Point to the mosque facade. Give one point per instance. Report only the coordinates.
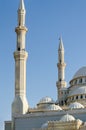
(66, 113)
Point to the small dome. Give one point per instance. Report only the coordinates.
(75, 105)
(67, 117)
(81, 72)
(45, 125)
(54, 107)
(77, 91)
(46, 100)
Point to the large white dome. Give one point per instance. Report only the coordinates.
(77, 91)
(46, 100)
(45, 125)
(67, 117)
(81, 72)
(75, 105)
(54, 107)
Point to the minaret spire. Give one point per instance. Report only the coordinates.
(21, 13)
(61, 51)
(22, 6)
(61, 46)
(20, 104)
(61, 83)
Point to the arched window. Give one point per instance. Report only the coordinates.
(76, 97)
(75, 81)
(61, 92)
(65, 101)
(62, 103)
(80, 80)
(18, 48)
(81, 96)
(60, 80)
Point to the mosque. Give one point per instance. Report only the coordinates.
(67, 113)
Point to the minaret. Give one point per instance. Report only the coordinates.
(20, 104)
(61, 83)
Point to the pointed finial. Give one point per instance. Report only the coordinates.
(61, 46)
(21, 5)
(21, 13)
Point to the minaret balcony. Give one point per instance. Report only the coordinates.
(61, 84)
(60, 65)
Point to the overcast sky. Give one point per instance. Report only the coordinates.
(46, 21)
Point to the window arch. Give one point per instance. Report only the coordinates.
(81, 96)
(75, 81)
(80, 80)
(76, 97)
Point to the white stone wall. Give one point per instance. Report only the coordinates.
(36, 120)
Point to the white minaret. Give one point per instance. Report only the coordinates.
(61, 83)
(20, 104)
